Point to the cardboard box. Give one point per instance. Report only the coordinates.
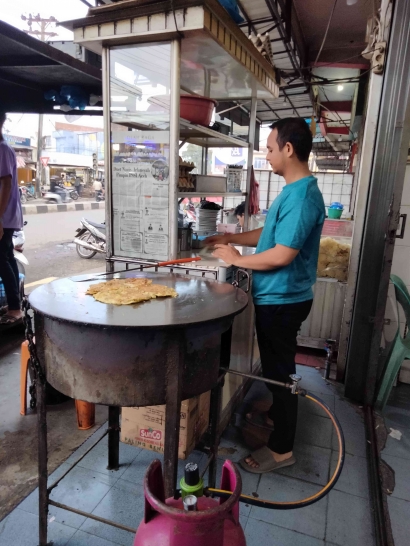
(144, 427)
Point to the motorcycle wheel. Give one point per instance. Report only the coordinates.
(74, 195)
(23, 199)
(84, 252)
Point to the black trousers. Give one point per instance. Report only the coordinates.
(9, 272)
(277, 327)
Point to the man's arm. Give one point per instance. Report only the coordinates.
(249, 238)
(5, 191)
(279, 256)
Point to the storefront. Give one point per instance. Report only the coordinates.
(26, 165)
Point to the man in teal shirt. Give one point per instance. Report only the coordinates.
(284, 271)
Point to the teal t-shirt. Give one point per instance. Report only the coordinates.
(295, 219)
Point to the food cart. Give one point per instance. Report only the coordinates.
(152, 56)
(174, 349)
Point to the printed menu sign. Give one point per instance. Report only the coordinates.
(140, 194)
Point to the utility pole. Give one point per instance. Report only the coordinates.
(42, 34)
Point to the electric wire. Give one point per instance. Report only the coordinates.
(290, 505)
(327, 30)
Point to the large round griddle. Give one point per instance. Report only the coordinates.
(198, 301)
(119, 355)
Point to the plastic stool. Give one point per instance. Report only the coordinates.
(85, 410)
(25, 358)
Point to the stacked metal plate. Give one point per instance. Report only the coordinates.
(206, 219)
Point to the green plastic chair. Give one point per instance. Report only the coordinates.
(400, 347)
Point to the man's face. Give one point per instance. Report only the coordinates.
(241, 219)
(275, 156)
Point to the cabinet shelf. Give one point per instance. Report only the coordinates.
(210, 194)
(206, 137)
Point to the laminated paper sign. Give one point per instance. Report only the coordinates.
(140, 194)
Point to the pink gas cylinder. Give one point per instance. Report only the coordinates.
(167, 523)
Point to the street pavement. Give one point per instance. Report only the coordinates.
(49, 247)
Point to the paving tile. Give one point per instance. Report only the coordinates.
(21, 529)
(30, 503)
(84, 539)
(349, 520)
(397, 448)
(259, 533)
(312, 464)
(315, 383)
(348, 412)
(124, 504)
(314, 430)
(354, 476)
(401, 469)
(97, 459)
(88, 443)
(355, 437)
(399, 511)
(304, 369)
(83, 489)
(234, 450)
(309, 521)
(107, 532)
(308, 406)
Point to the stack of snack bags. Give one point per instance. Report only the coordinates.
(333, 259)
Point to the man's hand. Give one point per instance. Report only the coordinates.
(1, 230)
(227, 253)
(218, 240)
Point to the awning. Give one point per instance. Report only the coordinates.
(29, 67)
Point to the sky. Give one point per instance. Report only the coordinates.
(63, 10)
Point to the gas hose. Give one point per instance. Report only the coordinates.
(263, 503)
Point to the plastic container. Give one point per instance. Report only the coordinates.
(334, 214)
(85, 414)
(197, 110)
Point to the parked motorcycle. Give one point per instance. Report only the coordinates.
(99, 196)
(18, 243)
(90, 239)
(23, 194)
(73, 194)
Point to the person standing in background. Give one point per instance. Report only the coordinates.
(11, 219)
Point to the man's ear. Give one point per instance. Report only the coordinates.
(289, 149)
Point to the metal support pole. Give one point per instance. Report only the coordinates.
(113, 438)
(214, 417)
(42, 460)
(39, 167)
(174, 374)
(252, 133)
(107, 150)
(174, 147)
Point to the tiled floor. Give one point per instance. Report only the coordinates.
(342, 517)
(397, 455)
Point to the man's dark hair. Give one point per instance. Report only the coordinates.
(240, 209)
(3, 116)
(297, 132)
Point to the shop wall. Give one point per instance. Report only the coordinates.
(401, 268)
(334, 186)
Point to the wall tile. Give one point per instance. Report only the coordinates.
(405, 199)
(401, 263)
